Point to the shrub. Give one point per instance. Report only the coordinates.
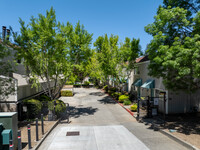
(86, 83)
(69, 83)
(66, 93)
(113, 89)
(134, 107)
(110, 92)
(122, 98)
(106, 88)
(33, 107)
(127, 102)
(116, 95)
(44, 98)
(60, 107)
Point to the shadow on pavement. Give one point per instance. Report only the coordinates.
(97, 93)
(77, 112)
(107, 100)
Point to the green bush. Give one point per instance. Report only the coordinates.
(122, 98)
(66, 93)
(86, 83)
(127, 102)
(44, 98)
(33, 107)
(106, 88)
(69, 83)
(110, 92)
(134, 107)
(60, 107)
(113, 89)
(116, 95)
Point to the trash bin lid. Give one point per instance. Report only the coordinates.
(7, 114)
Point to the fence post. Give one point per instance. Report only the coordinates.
(10, 145)
(29, 136)
(164, 107)
(19, 140)
(36, 129)
(138, 108)
(42, 123)
(68, 112)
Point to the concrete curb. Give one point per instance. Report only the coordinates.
(45, 135)
(130, 112)
(180, 141)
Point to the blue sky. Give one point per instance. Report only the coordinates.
(125, 18)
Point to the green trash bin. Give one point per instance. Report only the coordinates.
(9, 122)
(6, 136)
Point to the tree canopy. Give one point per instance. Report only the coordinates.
(43, 46)
(174, 50)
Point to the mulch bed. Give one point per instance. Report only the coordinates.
(186, 127)
(24, 135)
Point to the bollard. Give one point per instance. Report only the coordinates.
(10, 145)
(19, 140)
(42, 122)
(29, 136)
(36, 129)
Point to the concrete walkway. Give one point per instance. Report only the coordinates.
(103, 125)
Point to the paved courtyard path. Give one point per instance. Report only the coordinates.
(102, 124)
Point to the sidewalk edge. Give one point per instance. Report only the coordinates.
(45, 136)
(180, 141)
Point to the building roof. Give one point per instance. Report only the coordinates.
(142, 59)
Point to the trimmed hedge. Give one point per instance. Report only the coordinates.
(66, 93)
(127, 102)
(134, 107)
(122, 98)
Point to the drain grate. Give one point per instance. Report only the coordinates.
(73, 133)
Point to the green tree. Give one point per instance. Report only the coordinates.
(43, 45)
(94, 70)
(174, 51)
(79, 41)
(128, 52)
(107, 49)
(192, 6)
(7, 83)
(116, 62)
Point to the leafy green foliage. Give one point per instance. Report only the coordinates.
(78, 40)
(122, 98)
(43, 45)
(66, 93)
(86, 83)
(116, 62)
(134, 107)
(105, 88)
(116, 95)
(33, 107)
(7, 84)
(127, 102)
(174, 50)
(59, 108)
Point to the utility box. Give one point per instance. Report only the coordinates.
(1, 129)
(9, 121)
(6, 136)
